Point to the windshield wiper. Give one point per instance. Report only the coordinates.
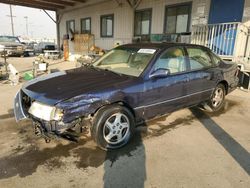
(120, 74)
(90, 65)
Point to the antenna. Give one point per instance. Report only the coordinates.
(27, 29)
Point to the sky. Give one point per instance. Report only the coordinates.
(39, 24)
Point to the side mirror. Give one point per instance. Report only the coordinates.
(160, 73)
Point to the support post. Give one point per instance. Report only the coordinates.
(57, 22)
(58, 32)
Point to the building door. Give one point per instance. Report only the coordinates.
(223, 15)
(224, 11)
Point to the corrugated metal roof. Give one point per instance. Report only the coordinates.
(44, 4)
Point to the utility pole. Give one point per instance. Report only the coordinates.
(27, 29)
(11, 21)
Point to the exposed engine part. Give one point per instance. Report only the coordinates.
(39, 131)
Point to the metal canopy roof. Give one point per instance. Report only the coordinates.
(44, 4)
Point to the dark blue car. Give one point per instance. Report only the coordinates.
(129, 85)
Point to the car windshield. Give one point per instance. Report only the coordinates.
(9, 39)
(129, 61)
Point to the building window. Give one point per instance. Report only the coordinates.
(142, 22)
(107, 25)
(86, 26)
(177, 18)
(70, 26)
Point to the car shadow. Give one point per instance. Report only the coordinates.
(30, 154)
(238, 152)
(126, 166)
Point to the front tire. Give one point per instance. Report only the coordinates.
(113, 127)
(217, 100)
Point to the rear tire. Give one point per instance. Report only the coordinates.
(217, 100)
(113, 126)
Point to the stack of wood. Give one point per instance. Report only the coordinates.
(83, 43)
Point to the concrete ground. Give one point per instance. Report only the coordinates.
(189, 148)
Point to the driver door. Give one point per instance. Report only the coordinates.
(166, 94)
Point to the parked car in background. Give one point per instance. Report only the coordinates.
(29, 48)
(129, 85)
(42, 46)
(11, 46)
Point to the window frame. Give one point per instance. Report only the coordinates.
(185, 58)
(84, 19)
(68, 24)
(104, 16)
(150, 21)
(190, 4)
(204, 50)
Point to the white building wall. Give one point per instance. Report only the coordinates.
(124, 18)
(123, 29)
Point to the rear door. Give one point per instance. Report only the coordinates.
(201, 77)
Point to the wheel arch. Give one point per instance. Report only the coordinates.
(225, 83)
(121, 103)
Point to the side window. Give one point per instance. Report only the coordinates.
(173, 59)
(198, 58)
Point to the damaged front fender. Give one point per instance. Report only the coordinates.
(85, 105)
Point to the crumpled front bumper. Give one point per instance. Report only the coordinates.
(19, 111)
(45, 127)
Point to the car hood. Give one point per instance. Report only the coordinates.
(60, 86)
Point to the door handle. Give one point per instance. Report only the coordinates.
(187, 79)
(209, 76)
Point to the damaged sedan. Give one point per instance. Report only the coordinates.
(129, 85)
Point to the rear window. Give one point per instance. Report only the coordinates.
(49, 47)
(9, 39)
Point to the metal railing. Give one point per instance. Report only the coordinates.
(229, 40)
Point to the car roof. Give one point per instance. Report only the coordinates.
(162, 45)
(50, 43)
(9, 36)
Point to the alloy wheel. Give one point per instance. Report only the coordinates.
(218, 97)
(116, 128)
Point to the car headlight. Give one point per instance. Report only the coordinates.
(20, 48)
(58, 114)
(45, 112)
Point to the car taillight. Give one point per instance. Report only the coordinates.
(237, 72)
